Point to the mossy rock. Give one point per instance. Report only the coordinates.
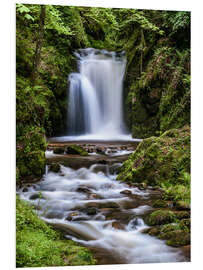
(162, 161)
(59, 150)
(185, 223)
(76, 150)
(160, 217)
(182, 205)
(178, 238)
(160, 204)
(182, 214)
(154, 231)
(55, 167)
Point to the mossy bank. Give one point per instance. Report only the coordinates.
(38, 245)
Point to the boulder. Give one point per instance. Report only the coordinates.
(126, 192)
(58, 150)
(55, 167)
(160, 217)
(109, 205)
(160, 204)
(118, 226)
(76, 150)
(72, 215)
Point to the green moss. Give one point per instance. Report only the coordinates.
(178, 238)
(76, 150)
(162, 161)
(161, 217)
(38, 245)
(160, 204)
(30, 157)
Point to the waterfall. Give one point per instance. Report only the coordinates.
(95, 94)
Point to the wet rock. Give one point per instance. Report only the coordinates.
(54, 214)
(25, 189)
(93, 204)
(109, 205)
(58, 150)
(72, 215)
(94, 196)
(122, 217)
(160, 204)
(82, 218)
(76, 150)
(83, 189)
(160, 217)
(102, 161)
(114, 168)
(126, 192)
(36, 196)
(100, 168)
(91, 211)
(152, 231)
(118, 226)
(55, 167)
(142, 185)
(129, 204)
(100, 150)
(134, 196)
(106, 210)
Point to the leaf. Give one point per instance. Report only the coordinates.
(22, 8)
(29, 17)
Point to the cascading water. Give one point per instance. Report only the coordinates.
(95, 96)
(92, 208)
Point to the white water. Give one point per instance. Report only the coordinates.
(95, 109)
(61, 198)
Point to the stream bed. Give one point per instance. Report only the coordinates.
(94, 209)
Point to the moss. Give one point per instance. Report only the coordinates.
(160, 204)
(185, 224)
(55, 167)
(76, 150)
(160, 217)
(178, 238)
(38, 245)
(59, 150)
(30, 155)
(182, 214)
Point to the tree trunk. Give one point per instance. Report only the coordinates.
(38, 44)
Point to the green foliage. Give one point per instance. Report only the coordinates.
(54, 21)
(30, 147)
(38, 245)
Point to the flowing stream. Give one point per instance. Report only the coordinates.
(106, 215)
